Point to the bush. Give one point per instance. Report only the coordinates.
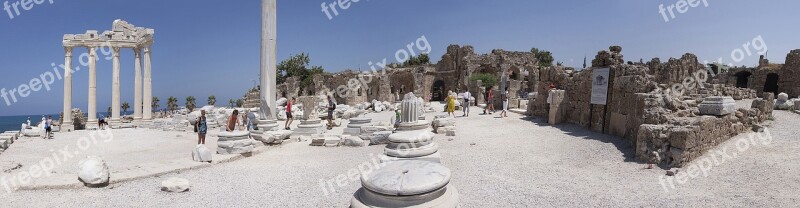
(487, 79)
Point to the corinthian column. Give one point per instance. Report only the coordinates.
(137, 100)
(148, 87)
(66, 124)
(92, 87)
(115, 88)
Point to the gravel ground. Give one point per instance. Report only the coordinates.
(496, 162)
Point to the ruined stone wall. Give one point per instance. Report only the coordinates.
(790, 74)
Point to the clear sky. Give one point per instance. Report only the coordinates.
(205, 47)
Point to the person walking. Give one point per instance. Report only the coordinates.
(489, 101)
(466, 97)
(504, 97)
(201, 127)
(48, 127)
(289, 116)
(232, 121)
(451, 105)
(331, 108)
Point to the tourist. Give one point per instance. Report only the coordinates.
(48, 127)
(396, 118)
(331, 108)
(245, 123)
(232, 121)
(201, 127)
(451, 105)
(489, 101)
(101, 122)
(28, 126)
(466, 97)
(504, 97)
(289, 116)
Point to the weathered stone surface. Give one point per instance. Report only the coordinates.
(93, 171)
(451, 132)
(410, 150)
(353, 141)
(411, 137)
(407, 178)
(175, 185)
(440, 122)
(201, 153)
(235, 147)
(717, 106)
(435, 157)
(381, 137)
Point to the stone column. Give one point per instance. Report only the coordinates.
(137, 101)
(268, 68)
(92, 120)
(148, 87)
(66, 124)
(115, 88)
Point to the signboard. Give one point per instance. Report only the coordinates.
(600, 86)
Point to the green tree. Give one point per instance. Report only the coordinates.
(232, 103)
(190, 103)
(212, 100)
(240, 103)
(297, 66)
(421, 59)
(487, 79)
(125, 107)
(545, 58)
(155, 105)
(172, 103)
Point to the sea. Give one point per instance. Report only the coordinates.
(14, 123)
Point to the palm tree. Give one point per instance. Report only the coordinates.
(155, 104)
(232, 102)
(125, 107)
(212, 100)
(172, 103)
(190, 103)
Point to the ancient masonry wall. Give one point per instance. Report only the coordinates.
(659, 126)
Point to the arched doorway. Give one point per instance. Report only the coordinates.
(771, 85)
(742, 79)
(438, 91)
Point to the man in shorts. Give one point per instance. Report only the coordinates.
(289, 116)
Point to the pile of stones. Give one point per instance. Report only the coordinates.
(783, 102)
(7, 138)
(236, 142)
(442, 124)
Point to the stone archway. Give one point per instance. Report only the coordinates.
(771, 84)
(437, 91)
(742, 79)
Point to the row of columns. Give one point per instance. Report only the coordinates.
(142, 105)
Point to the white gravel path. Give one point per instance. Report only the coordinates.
(514, 162)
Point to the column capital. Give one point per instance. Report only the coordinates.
(116, 51)
(137, 51)
(146, 48)
(92, 50)
(67, 51)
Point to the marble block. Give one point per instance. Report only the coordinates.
(413, 126)
(411, 136)
(410, 150)
(407, 178)
(354, 141)
(175, 185)
(440, 122)
(381, 137)
(201, 153)
(717, 105)
(310, 127)
(435, 157)
(235, 147)
(93, 171)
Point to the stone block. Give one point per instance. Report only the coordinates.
(93, 171)
(381, 137)
(175, 185)
(354, 141)
(717, 106)
(235, 147)
(201, 153)
(451, 132)
(440, 122)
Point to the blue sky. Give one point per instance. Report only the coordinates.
(211, 47)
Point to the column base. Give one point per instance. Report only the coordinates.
(67, 127)
(114, 123)
(92, 125)
(267, 125)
